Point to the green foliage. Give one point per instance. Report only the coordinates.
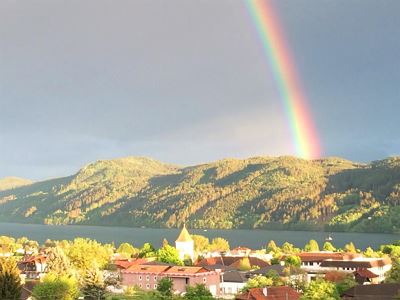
(57, 262)
(219, 244)
(164, 287)
(345, 284)
(311, 246)
(56, 288)
(320, 289)
(393, 276)
(169, 254)
(258, 281)
(272, 247)
(147, 251)
(329, 247)
(293, 260)
(10, 283)
(274, 193)
(127, 250)
(84, 254)
(93, 287)
(350, 248)
(198, 292)
(201, 243)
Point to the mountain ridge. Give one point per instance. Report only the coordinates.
(258, 192)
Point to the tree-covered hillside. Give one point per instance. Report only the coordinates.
(260, 192)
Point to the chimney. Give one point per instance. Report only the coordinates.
(265, 291)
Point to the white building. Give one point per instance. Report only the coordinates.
(185, 245)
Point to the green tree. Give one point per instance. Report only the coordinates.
(350, 248)
(169, 254)
(147, 251)
(311, 246)
(85, 253)
(320, 289)
(198, 292)
(93, 287)
(10, 283)
(58, 263)
(288, 248)
(329, 247)
(219, 244)
(56, 288)
(345, 284)
(164, 287)
(258, 281)
(293, 260)
(201, 243)
(393, 275)
(127, 250)
(272, 247)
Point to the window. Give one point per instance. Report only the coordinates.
(147, 286)
(155, 278)
(204, 280)
(155, 286)
(140, 285)
(147, 278)
(140, 277)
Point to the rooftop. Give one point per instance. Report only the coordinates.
(184, 236)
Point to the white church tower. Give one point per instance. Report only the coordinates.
(185, 244)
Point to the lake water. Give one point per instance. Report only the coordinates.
(255, 239)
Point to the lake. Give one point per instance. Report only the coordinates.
(255, 239)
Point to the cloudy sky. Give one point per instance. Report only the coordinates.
(188, 81)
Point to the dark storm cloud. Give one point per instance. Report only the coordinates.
(187, 81)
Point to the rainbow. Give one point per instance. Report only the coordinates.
(304, 134)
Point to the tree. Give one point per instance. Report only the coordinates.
(393, 275)
(244, 264)
(93, 287)
(201, 243)
(219, 244)
(350, 248)
(329, 247)
(10, 283)
(57, 262)
(320, 289)
(164, 287)
(56, 288)
(258, 281)
(127, 250)
(85, 253)
(272, 247)
(169, 254)
(198, 292)
(345, 284)
(311, 246)
(288, 248)
(293, 260)
(147, 251)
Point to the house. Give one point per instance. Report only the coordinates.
(185, 245)
(33, 267)
(270, 293)
(147, 276)
(385, 291)
(317, 264)
(368, 269)
(232, 282)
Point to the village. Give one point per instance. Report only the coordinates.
(240, 273)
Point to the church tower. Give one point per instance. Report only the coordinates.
(185, 244)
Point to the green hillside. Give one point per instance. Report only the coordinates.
(260, 192)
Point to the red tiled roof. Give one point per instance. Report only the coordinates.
(232, 261)
(335, 276)
(365, 273)
(125, 264)
(378, 262)
(180, 270)
(151, 269)
(272, 293)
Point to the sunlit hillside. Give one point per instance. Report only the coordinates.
(260, 192)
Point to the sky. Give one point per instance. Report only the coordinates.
(187, 81)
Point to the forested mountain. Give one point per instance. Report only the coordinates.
(260, 192)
